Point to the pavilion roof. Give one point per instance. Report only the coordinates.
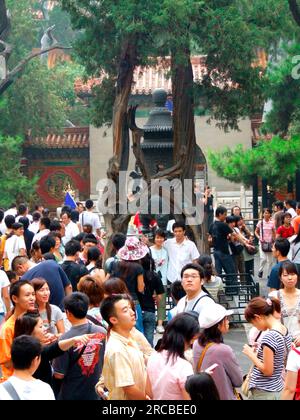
(72, 137)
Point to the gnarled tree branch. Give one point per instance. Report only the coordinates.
(295, 10)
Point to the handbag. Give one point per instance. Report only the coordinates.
(265, 246)
(245, 385)
(251, 250)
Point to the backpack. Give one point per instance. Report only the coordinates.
(297, 393)
(195, 313)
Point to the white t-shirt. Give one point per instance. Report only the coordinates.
(71, 231)
(12, 248)
(179, 256)
(196, 304)
(292, 212)
(293, 361)
(4, 282)
(28, 390)
(89, 218)
(38, 236)
(34, 227)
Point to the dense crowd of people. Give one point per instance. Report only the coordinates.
(79, 324)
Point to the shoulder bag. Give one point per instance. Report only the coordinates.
(265, 246)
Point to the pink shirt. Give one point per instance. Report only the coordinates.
(167, 378)
(268, 228)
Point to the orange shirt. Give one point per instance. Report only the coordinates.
(6, 339)
(296, 224)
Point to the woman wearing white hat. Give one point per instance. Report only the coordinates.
(209, 349)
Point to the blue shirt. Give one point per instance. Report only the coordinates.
(55, 277)
(274, 280)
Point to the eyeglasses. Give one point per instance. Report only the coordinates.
(191, 276)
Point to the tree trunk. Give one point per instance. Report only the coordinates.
(184, 130)
(119, 222)
(295, 10)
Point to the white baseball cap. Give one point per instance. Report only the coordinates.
(212, 315)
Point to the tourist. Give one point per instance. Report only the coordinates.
(213, 284)
(35, 253)
(236, 211)
(23, 211)
(4, 295)
(177, 293)
(153, 287)
(47, 245)
(296, 220)
(202, 387)
(181, 251)
(88, 217)
(286, 229)
(43, 229)
(28, 235)
(265, 233)
(94, 263)
(22, 297)
(80, 371)
(117, 241)
(15, 244)
(278, 213)
(294, 253)
(210, 349)
(26, 358)
(71, 229)
(289, 298)
(290, 206)
(124, 367)
(88, 241)
(280, 251)
(291, 389)
(220, 235)
(9, 221)
(52, 316)
(168, 369)
(161, 259)
(56, 278)
(72, 269)
(34, 227)
(196, 298)
(59, 249)
(266, 381)
(93, 288)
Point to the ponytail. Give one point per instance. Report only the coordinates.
(261, 306)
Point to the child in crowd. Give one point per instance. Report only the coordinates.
(201, 387)
(213, 284)
(286, 229)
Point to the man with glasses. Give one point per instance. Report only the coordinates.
(192, 282)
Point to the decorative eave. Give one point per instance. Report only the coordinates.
(72, 138)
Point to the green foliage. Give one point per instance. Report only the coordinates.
(33, 103)
(275, 160)
(15, 186)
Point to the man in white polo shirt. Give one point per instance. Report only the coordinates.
(181, 251)
(89, 218)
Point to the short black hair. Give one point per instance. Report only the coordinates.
(230, 219)
(25, 222)
(17, 225)
(75, 216)
(1, 215)
(9, 221)
(49, 256)
(90, 239)
(282, 245)
(72, 247)
(77, 304)
(194, 266)
(201, 387)
(107, 308)
(45, 221)
(161, 233)
(66, 209)
(220, 210)
(80, 236)
(93, 253)
(177, 225)
(15, 288)
(89, 204)
(22, 209)
(24, 350)
(118, 240)
(279, 204)
(46, 243)
(177, 291)
(55, 226)
(291, 203)
(36, 216)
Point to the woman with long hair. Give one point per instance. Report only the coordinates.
(266, 381)
(210, 349)
(213, 284)
(94, 263)
(289, 298)
(167, 369)
(265, 233)
(201, 387)
(51, 315)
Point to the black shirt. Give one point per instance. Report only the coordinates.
(74, 272)
(44, 371)
(219, 232)
(129, 275)
(153, 284)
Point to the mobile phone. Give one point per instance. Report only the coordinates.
(211, 368)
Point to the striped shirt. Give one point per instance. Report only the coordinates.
(280, 345)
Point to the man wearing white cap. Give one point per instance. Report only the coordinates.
(210, 350)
